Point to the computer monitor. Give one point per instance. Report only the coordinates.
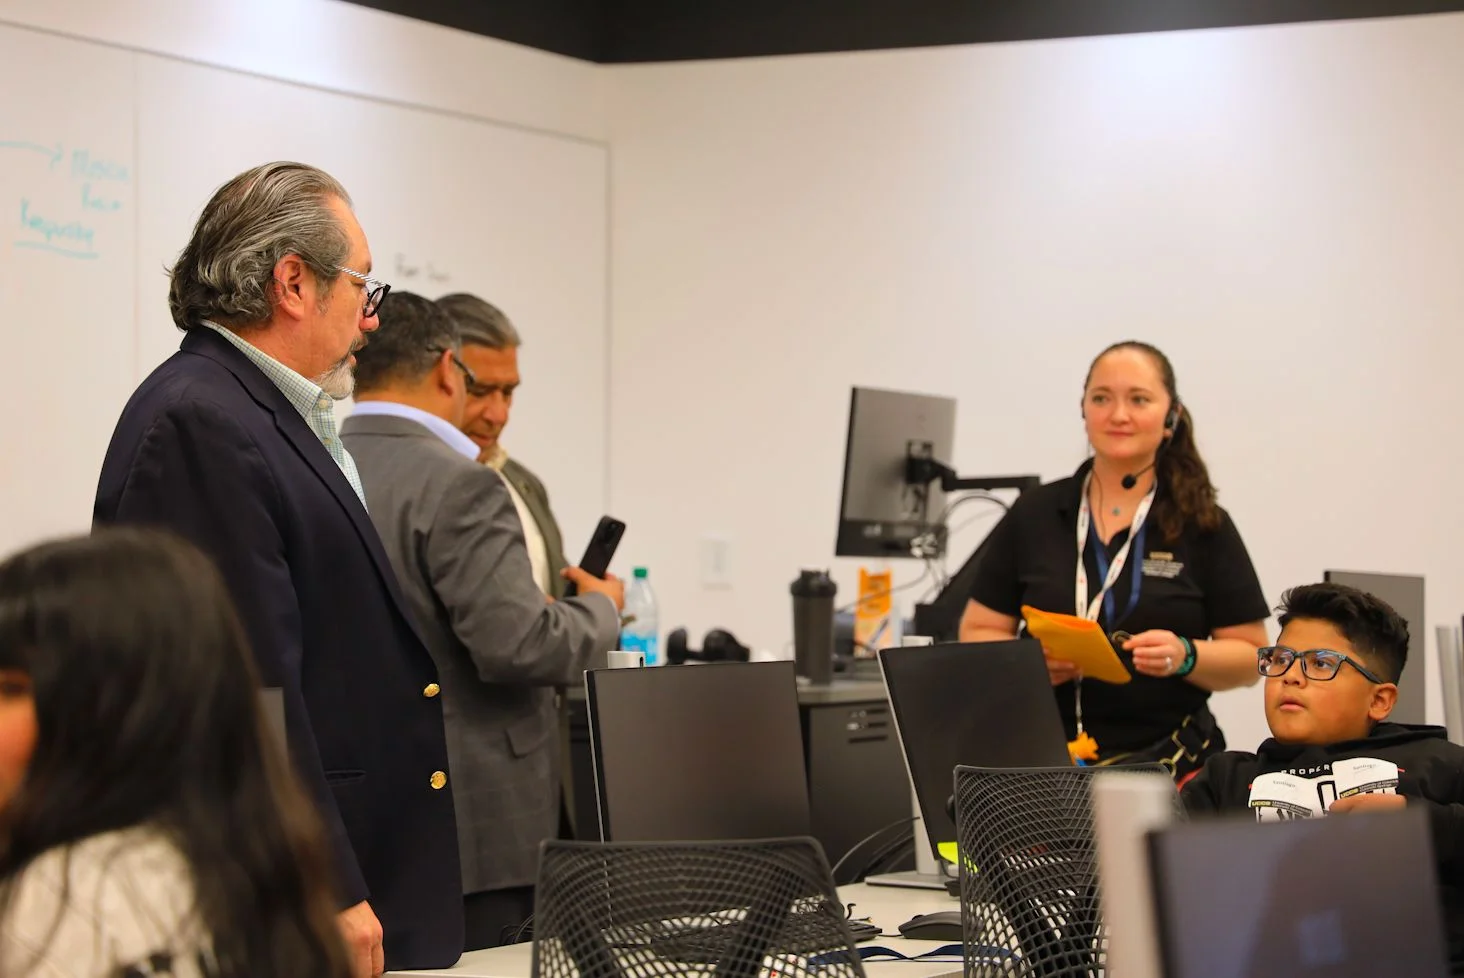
(884, 507)
(1350, 896)
(698, 752)
(985, 704)
(1451, 678)
(1405, 593)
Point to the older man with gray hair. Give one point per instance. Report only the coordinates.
(490, 349)
(232, 444)
(457, 543)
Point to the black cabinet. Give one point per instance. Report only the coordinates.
(857, 783)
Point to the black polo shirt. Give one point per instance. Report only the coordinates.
(1190, 586)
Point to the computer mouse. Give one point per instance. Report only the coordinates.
(943, 925)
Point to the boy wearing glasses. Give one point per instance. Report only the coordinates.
(1331, 681)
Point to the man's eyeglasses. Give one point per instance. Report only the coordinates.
(376, 291)
(1319, 665)
(468, 375)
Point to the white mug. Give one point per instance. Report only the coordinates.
(625, 660)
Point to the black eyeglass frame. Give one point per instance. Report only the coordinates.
(376, 291)
(1311, 658)
(474, 385)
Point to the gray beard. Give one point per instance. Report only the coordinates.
(339, 382)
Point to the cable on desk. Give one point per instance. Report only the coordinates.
(897, 849)
(866, 840)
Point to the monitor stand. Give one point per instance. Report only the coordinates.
(914, 879)
(931, 872)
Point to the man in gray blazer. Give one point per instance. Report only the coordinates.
(456, 542)
(490, 350)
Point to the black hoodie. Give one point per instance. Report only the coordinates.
(1430, 772)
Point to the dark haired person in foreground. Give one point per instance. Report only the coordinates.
(149, 824)
(1331, 681)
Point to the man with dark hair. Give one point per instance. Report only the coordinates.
(1331, 681)
(232, 444)
(455, 538)
(490, 349)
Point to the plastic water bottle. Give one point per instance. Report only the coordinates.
(640, 634)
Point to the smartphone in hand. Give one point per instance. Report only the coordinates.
(601, 549)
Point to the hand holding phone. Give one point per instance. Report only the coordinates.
(600, 551)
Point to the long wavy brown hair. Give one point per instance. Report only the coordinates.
(1187, 497)
(148, 714)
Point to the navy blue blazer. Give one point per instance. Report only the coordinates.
(209, 447)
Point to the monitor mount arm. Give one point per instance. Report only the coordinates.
(921, 469)
(940, 619)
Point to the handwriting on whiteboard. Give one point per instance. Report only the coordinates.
(406, 269)
(68, 196)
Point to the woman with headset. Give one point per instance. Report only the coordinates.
(1135, 541)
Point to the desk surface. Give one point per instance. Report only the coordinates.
(887, 906)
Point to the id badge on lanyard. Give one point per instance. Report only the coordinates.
(1086, 607)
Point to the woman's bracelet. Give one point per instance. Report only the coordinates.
(1188, 665)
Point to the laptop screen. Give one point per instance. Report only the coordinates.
(1346, 896)
(698, 752)
(983, 704)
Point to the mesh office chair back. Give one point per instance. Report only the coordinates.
(735, 909)
(1029, 871)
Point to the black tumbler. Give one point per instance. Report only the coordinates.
(813, 626)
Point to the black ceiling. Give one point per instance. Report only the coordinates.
(613, 31)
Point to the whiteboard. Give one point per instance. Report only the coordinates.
(67, 345)
(448, 203)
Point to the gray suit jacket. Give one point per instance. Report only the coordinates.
(536, 498)
(454, 538)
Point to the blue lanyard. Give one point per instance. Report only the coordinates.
(1100, 554)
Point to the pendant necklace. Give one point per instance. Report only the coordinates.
(1116, 510)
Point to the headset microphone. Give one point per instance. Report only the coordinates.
(1132, 479)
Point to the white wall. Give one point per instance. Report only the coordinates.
(1280, 209)
(475, 165)
(343, 47)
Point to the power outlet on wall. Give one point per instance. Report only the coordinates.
(716, 562)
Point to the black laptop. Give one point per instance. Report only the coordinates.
(984, 704)
(711, 751)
